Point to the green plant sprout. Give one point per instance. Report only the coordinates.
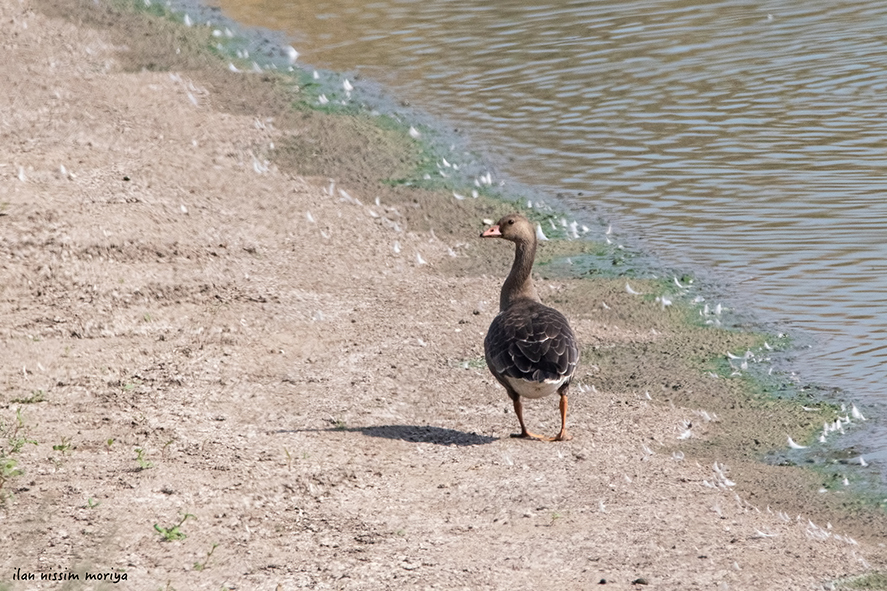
(202, 565)
(144, 464)
(173, 533)
(12, 440)
(64, 446)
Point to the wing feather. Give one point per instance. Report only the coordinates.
(532, 342)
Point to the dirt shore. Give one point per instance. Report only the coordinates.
(215, 315)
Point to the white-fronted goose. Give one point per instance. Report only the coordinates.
(530, 347)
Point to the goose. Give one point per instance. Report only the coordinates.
(530, 348)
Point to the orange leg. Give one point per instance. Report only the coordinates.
(563, 435)
(519, 411)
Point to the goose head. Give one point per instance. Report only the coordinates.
(513, 227)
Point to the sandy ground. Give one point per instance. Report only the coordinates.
(194, 327)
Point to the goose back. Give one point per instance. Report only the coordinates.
(531, 349)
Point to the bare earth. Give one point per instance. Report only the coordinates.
(193, 326)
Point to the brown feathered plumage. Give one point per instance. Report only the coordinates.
(529, 348)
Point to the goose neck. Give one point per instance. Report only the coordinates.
(519, 284)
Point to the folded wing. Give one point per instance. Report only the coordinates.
(532, 342)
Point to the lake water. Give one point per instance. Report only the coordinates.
(744, 138)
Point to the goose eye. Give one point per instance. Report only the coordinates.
(510, 222)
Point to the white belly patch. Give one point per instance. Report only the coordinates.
(530, 389)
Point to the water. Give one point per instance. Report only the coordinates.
(749, 138)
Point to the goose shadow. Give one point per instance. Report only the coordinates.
(425, 434)
(411, 433)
